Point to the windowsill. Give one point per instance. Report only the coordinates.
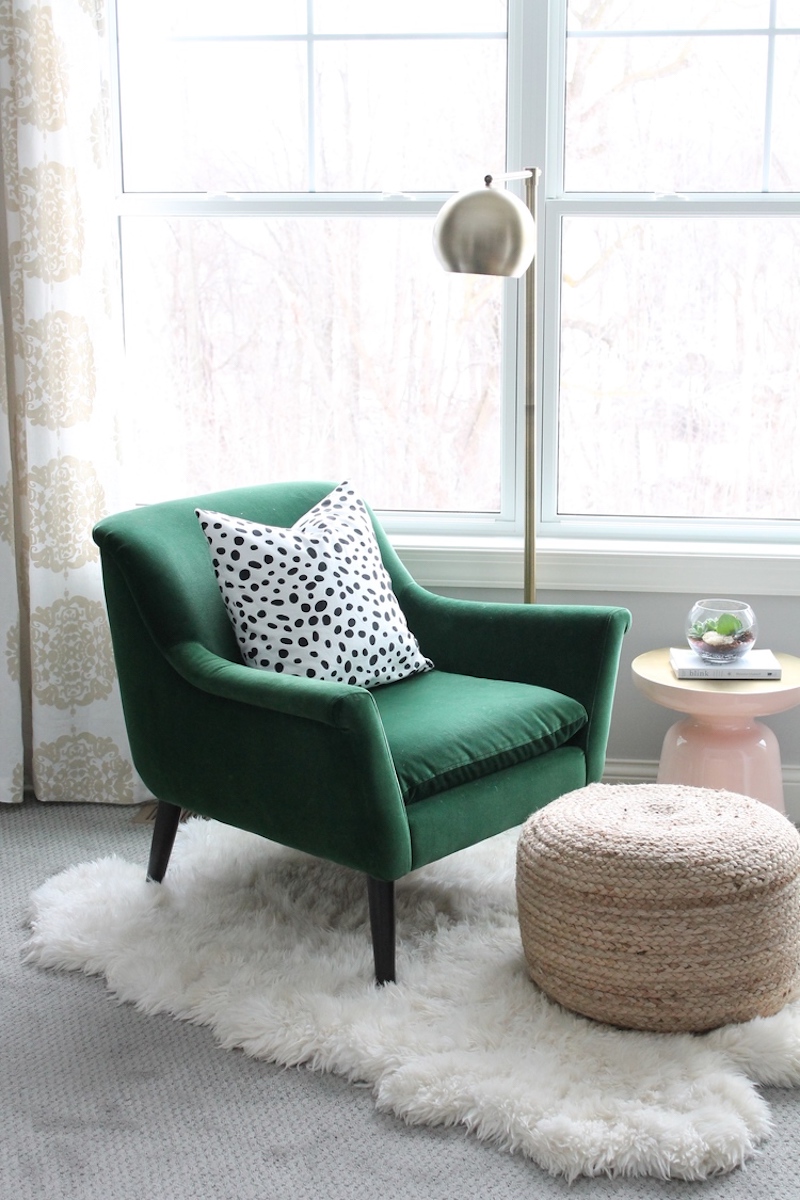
(603, 566)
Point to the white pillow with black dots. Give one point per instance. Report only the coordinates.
(314, 600)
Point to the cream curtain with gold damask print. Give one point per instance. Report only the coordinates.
(59, 465)
(11, 751)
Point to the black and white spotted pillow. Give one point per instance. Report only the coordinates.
(316, 599)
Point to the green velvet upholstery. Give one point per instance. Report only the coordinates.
(516, 712)
(445, 729)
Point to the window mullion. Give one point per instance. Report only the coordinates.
(766, 164)
(689, 204)
(551, 283)
(311, 101)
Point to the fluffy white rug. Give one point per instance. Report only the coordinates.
(271, 950)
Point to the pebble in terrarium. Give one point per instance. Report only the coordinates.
(721, 631)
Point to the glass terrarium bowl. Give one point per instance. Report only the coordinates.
(721, 631)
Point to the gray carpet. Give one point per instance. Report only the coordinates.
(99, 1101)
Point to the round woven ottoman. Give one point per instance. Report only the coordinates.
(661, 907)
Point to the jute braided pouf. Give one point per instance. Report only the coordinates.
(661, 907)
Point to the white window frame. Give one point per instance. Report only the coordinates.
(557, 204)
(454, 551)
(507, 521)
(693, 557)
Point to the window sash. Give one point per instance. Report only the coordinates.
(556, 204)
(405, 205)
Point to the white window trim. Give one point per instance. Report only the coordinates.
(569, 564)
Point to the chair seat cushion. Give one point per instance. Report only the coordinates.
(444, 730)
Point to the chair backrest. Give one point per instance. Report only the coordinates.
(161, 553)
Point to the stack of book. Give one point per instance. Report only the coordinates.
(756, 664)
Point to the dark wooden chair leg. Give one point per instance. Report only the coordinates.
(382, 924)
(166, 826)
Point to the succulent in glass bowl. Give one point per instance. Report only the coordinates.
(721, 631)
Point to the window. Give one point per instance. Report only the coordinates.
(281, 166)
(675, 352)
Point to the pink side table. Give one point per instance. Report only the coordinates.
(719, 744)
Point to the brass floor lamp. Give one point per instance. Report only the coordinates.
(491, 232)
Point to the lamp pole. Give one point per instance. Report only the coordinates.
(531, 394)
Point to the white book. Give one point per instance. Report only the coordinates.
(755, 664)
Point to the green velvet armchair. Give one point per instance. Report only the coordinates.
(515, 713)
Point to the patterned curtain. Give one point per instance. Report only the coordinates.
(59, 458)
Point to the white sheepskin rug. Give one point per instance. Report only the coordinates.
(271, 950)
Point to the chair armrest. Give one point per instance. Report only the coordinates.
(573, 649)
(316, 700)
(300, 761)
